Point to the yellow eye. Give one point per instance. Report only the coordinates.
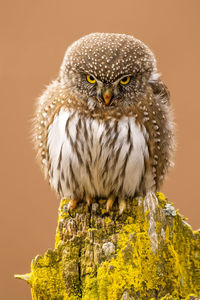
(125, 80)
(91, 79)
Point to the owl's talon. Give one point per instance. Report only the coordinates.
(69, 212)
(89, 200)
(113, 140)
(71, 206)
(122, 205)
(109, 203)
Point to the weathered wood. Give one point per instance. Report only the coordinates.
(149, 252)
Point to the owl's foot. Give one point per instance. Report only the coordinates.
(89, 200)
(121, 202)
(71, 206)
(122, 205)
(109, 203)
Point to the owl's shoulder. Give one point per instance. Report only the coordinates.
(54, 97)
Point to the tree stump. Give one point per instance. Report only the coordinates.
(149, 252)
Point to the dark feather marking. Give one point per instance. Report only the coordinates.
(99, 155)
(90, 177)
(88, 171)
(116, 180)
(59, 188)
(62, 175)
(109, 129)
(109, 140)
(104, 183)
(125, 161)
(91, 132)
(129, 134)
(79, 157)
(105, 168)
(71, 142)
(142, 190)
(85, 131)
(82, 145)
(77, 131)
(60, 158)
(67, 124)
(67, 183)
(100, 139)
(49, 165)
(116, 126)
(75, 149)
(107, 124)
(79, 123)
(89, 153)
(112, 144)
(73, 178)
(117, 156)
(123, 168)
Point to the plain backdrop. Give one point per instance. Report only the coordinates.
(34, 36)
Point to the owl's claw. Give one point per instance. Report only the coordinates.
(122, 205)
(109, 203)
(89, 200)
(71, 206)
(121, 202)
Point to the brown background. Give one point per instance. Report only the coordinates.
(34, 36)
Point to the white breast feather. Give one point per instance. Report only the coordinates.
(57, 139)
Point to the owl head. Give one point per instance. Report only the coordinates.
(108, 68)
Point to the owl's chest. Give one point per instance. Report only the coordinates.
(95, 153)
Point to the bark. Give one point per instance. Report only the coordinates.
(149, 252)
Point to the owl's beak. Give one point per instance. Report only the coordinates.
(107, 94)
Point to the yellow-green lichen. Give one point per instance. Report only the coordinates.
(157, 256)
(133, 266)
(174, 267)
(107, 220)
(90, 288)
(161, 197)
(63, 213)
(47, 277)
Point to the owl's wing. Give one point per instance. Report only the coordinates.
(163, 132)
(160, 128)
(160, 91)
(48, 105)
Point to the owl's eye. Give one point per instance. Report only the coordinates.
(91, 79)
(125, 80)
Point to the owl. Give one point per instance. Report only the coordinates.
(104, 128)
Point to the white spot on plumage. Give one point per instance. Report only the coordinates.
(98, 44)
(106, 57)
